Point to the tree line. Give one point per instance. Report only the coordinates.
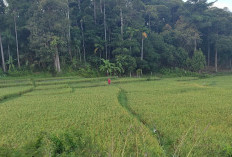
(117, 36)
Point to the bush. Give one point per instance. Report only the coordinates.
(19, 72)
(197, 62)
(227, 151)
(2, 74)
(71, 143)
(94, 61)
(181, 57)
(177, 72)
(128, 63)
(88, 72)
(143, 64)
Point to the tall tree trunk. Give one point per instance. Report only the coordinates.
(16, 39)
(101, 6)
(216, 53)
(83, 40)
(8, 51)
(95, 12)
(209, 49)
(79, 5)
(216, 60)
(57, 61)
(230, 64)
(208, 54)
(80, 55)
(2, 54)
(69, 33)
(105, 28)
(142, 49)
(195, 43)
(121, 16)
(109, 41)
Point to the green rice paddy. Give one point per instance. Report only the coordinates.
(131, 117)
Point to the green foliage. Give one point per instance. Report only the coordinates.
(94, 61)
(177, 72)
(181, 57)
(10, 64)
(2, 7)
(72, 143)
(72, 34)
(107, 67)
(197, 62)
(139, 72)
(111, 68)
(143, 65)
(2, 74)
(88, 72)
(227, 151)
(127, 62)
(119, 51)
(19, 72)
(186, 34)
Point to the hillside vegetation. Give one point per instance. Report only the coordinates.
(95, 37)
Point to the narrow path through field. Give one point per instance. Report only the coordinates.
(122, 99)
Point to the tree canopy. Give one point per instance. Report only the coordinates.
(55, 35)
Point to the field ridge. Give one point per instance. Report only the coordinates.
(11, 96)
(123, 101)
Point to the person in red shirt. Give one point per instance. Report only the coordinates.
(109, 81)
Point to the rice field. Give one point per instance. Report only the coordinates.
(131, 117)
(13, 91)
(61, 120)
(191, 117)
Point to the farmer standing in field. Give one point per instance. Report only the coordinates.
(109, 81)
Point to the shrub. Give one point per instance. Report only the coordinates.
(71, 143)
(88, 72)
(197, 62)
(227, 151)
(128, 63)
(2, 73)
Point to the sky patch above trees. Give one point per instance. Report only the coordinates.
(221, 4)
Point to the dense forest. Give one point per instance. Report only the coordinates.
(117, 36)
